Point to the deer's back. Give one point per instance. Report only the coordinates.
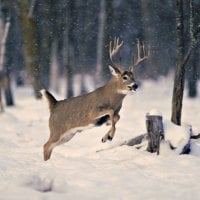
(75, 112)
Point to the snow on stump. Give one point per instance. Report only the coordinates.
(176, 137)
(155, 131)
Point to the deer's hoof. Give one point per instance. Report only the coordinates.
(110, 138)
(103, 140)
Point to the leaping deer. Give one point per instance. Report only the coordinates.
(69, 116)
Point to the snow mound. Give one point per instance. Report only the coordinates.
(177, 136)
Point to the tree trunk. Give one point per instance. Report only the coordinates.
(180, 68)
(192, 75)
(70, 44)
(31, 47)
(192, 72)
(155, 132)
(3, 40)
(151, 35)
(54, 69)
(44, 35)
(101, 25)
(5, 76)
(8, 91)
(69, 84)
(108, 36)
(182, 59)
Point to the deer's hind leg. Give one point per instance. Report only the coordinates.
(55, 140)
(50, 144)
(47, 149)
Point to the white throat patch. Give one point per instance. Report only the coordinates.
(122, 92)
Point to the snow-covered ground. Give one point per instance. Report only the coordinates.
(85, 168)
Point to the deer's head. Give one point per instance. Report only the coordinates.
(125, 78)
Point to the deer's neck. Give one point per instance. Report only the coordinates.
(113, 89)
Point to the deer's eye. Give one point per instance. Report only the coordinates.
(125, 78)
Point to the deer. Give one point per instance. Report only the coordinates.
(75, 114)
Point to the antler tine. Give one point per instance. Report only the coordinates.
(141, 55)
(115, 49)
(144, 51)
(115, 42)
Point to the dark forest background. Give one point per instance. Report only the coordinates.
(54, 39)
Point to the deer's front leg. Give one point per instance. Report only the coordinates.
(116, 119)
(110, 134)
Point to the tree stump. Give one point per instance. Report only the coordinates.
(155, 132)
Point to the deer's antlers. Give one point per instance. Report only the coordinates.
(142, 55)
(113, 51)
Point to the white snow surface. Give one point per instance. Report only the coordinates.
(85, 168)
(155, 112)
(177, 136)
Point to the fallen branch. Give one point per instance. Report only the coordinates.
(195, 136)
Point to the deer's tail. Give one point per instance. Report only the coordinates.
(50, 99)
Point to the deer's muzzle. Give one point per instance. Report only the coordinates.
(134, 87)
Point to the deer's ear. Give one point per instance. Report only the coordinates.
(114, 71)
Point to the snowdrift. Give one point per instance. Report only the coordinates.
(85, 168)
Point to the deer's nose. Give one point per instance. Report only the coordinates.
(135, 86)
